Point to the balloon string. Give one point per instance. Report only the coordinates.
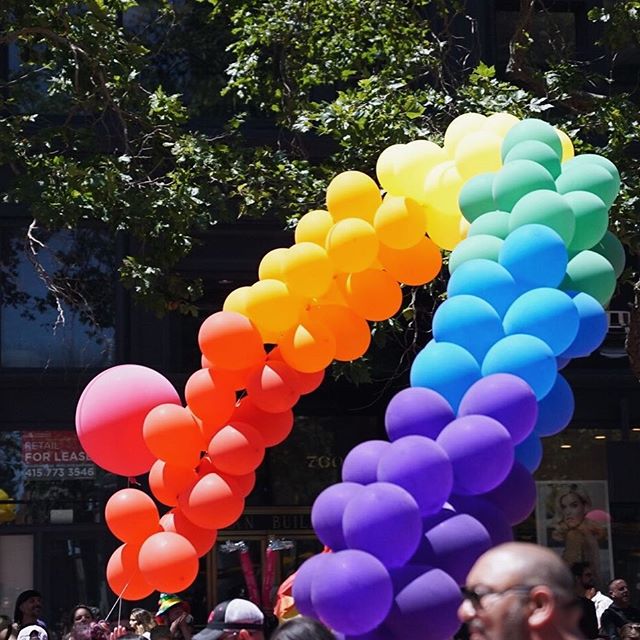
(118, 601)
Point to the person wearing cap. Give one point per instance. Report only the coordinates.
(237, 618)
(176, 614)
(28, 609)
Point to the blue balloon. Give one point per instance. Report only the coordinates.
(487, 280)
(535, 255)
(470, 322)
(555, 409)
(446, 368)
(548, 314)
(592, 329)
(529, 452)
(524, 356)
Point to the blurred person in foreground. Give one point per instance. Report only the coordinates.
(237, 618)
(302, 628)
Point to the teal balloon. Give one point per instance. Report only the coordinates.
(593, 158)
(518, 178)
(591, 217)
(611, 248)
(493, 223)
(547, 314)
(547, 208)
(537, 151)
(470, 322)
(591, 273)
(474, 247)
(532, 129)
(476, 196)
(588, 177)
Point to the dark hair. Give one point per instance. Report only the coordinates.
(20, 600)
(612, 581)
(578, 568)
(160, 631)
(72, 615)
(302, 628)
(630, 630)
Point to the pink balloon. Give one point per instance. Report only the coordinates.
(600, 516)
(111, 412)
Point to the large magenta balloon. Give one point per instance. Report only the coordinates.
(361, 463)
(110, 415)
(481, 452)
(353, 592)
(327, 512)
(505, 398)
(515, 496)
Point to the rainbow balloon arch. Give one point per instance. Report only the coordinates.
(532, 266)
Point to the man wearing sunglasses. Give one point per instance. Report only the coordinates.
(520, 591)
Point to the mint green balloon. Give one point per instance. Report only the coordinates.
(494, 223)
(588, 177)
(594, 158)
(547, 208)
(476, 196)
(611, 248)
(537, 151)
(487, 247)
(532, 129)
(590, 273)
(592, 219)
(518, 178)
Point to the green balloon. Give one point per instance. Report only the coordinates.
(537, 151)
(473, 247)
(494, 223)
(532, 129)
(518, 178)
(590, 273)
(588, 177)
(544, 207)
(591, 216)
(594, 158)
(611, 248)
(476, 196)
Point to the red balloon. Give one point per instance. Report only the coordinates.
(168, 562)
(131, 515)
(243, 484)
(201, 539)
(307, 382)
(213, 502)
(235, 379)
(274, 387)
(123, 574)
(209, 398)
(236, 449)
(273, 427)
(166, 481)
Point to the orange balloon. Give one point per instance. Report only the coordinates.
(168, 562)
(373, 294)
(352, 245)
(242, 485)
(236, 449)
(353, 194)
(414, 266)
(230, 341)
(237, 301)
(272, 427)
(314, 227)
(272, 307)
(309, 347)
(209, 398)
(350, 330)
(237, 380)
(201, 539)
(307, 270)
(307, 382)
(270, 267)
(166, 481)
(123, 574)
(131, 515)
(274, 388)
(213, 502)
(400, 222)
(335, 293)
(171, 433)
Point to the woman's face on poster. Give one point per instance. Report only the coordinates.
(572, 509)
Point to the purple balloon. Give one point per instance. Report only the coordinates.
(327, 512)
(353, 594)
(494, 521)
(505, 398)
(516, 495)
(555, 410)
(425, 604)
(481, 452)
(529, 452)
(361, 463)
(420, 466)
(303, 581)
(417, 411)
(453, 544)
(384, 520)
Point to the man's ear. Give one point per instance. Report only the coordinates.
(542, 604)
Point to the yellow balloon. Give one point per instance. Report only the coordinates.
(270, 267)
(500, 123)
(272, 307)
(413, 165)
(385, 168)
(464, 227)
(353, 194)
(442, 188)
(459, 128)
(7, 511)
(567, 146)
(307, 270)
(400, 222)
(313, 227)
(335, 294)
(444, 229)
(478, 153)
(352, 245)
(237, 301)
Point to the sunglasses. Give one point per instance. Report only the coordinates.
(475, 596)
